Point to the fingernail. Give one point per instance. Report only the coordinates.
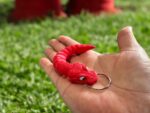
(130, 28)
(51, 41)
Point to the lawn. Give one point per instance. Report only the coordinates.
(24, 87)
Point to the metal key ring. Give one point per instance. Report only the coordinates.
(105, 87)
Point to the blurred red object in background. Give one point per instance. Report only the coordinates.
(92, 6)
(31, 9)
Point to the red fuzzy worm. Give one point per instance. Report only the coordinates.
(76, 72)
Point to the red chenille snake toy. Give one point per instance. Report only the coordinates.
(76, 73)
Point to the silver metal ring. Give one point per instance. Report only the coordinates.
(105, 87)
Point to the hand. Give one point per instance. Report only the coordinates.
(129, 70)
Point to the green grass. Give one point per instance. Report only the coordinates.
(24, 87)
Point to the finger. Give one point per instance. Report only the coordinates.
(49, 69)
(56, 45)
(67, 40)
(67, 90)
(126, 40)
(50, 53)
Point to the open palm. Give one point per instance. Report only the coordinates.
(129, 70)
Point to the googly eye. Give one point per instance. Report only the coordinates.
(82, 78)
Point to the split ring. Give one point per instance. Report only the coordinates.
(106, 86)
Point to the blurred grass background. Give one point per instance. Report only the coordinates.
(24, 87)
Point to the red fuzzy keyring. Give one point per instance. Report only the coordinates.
(77, 73)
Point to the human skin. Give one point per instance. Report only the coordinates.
(129, 70)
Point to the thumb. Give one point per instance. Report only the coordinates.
(126, 40)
